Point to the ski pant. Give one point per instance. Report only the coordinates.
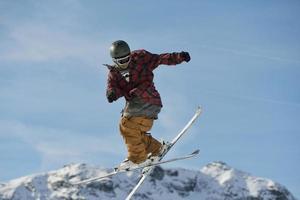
(139, 143)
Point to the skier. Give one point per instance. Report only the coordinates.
(131, 77)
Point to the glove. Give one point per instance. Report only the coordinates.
(132, 92)
(111, 96)
(129, 95)
(186, 56)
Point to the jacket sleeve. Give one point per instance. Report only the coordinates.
(113, 86)
(163, 59)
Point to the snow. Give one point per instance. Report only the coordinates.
(215, 181)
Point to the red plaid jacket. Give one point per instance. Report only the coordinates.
(141, 75)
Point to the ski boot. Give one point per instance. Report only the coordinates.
(165, 146)
(163, 149)
(128, 165)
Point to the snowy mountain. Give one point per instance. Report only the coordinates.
(215, 181)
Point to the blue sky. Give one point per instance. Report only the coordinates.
(244, 71)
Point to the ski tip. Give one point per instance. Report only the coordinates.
(199, 108)
(196, 152)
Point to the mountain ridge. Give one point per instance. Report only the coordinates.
(215, 181)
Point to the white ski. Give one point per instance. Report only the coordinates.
(191, 155)
(148, 170)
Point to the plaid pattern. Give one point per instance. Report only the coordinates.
(141, 76)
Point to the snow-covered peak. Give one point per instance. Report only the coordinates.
(215, 181)
(241, 183)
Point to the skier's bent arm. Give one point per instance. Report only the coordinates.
(113, 92)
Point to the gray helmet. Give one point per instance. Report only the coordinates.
(119, 49)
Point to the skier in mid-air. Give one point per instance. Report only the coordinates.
(131, 77)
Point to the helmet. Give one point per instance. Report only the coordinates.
(119, 49)
(120, 53)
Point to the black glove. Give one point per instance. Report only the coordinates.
(132, 92)
(111, 96)
(130, 95)
(186, 56)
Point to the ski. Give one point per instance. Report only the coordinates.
(147, 170)
(191, 155)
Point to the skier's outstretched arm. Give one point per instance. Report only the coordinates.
(167, 58)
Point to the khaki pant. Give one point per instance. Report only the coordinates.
(139, 143)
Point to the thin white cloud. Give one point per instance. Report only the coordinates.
(59, 147)
(37, 42)
(252, 98)
(175, 107)
(250, 53)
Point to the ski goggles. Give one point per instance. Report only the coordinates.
(122, 61)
